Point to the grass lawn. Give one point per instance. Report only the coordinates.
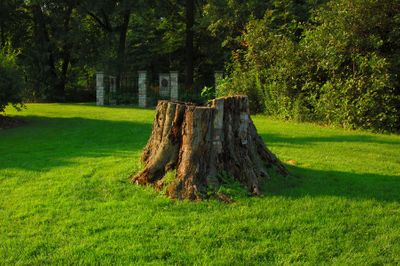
(65, 197)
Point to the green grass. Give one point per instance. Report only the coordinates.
(65, 197)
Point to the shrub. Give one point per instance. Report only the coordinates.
(342, 69)
(11, 79)
(352, 57)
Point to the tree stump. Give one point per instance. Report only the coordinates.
(200, 142)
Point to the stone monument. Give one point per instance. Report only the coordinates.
(164, 80)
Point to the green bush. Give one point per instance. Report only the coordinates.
(342, 69)
(11, 80)
(353, 47)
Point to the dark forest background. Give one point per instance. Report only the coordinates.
(333, 62)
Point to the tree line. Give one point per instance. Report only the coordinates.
(335, 62)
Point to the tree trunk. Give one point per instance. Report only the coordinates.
(189, 45)
(42, 38)
(2, 34)
(200, 143)
(122, 46)
(65, 53)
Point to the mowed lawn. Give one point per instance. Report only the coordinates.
(65, 197)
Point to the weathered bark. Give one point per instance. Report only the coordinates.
(200, 142)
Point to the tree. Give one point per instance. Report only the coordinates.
(114, 18)
(52, 36)
(190, 11)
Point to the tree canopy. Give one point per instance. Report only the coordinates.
(332, 61)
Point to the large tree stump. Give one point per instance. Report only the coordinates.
(200, 142)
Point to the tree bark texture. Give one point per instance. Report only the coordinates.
(200, 143)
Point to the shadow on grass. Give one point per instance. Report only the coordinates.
(275, 138)
(312, 182)
(45, 143)
(119, 106)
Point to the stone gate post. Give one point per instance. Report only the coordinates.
(174, 85)
(142, 88)
(100, 88)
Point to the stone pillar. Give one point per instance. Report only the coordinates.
(164, 85)
(142, 88)
(218, 76)
(174, 85)
(100, 88)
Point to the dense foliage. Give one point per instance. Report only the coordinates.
(11, 79)
(342, 69)
(335, 62)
